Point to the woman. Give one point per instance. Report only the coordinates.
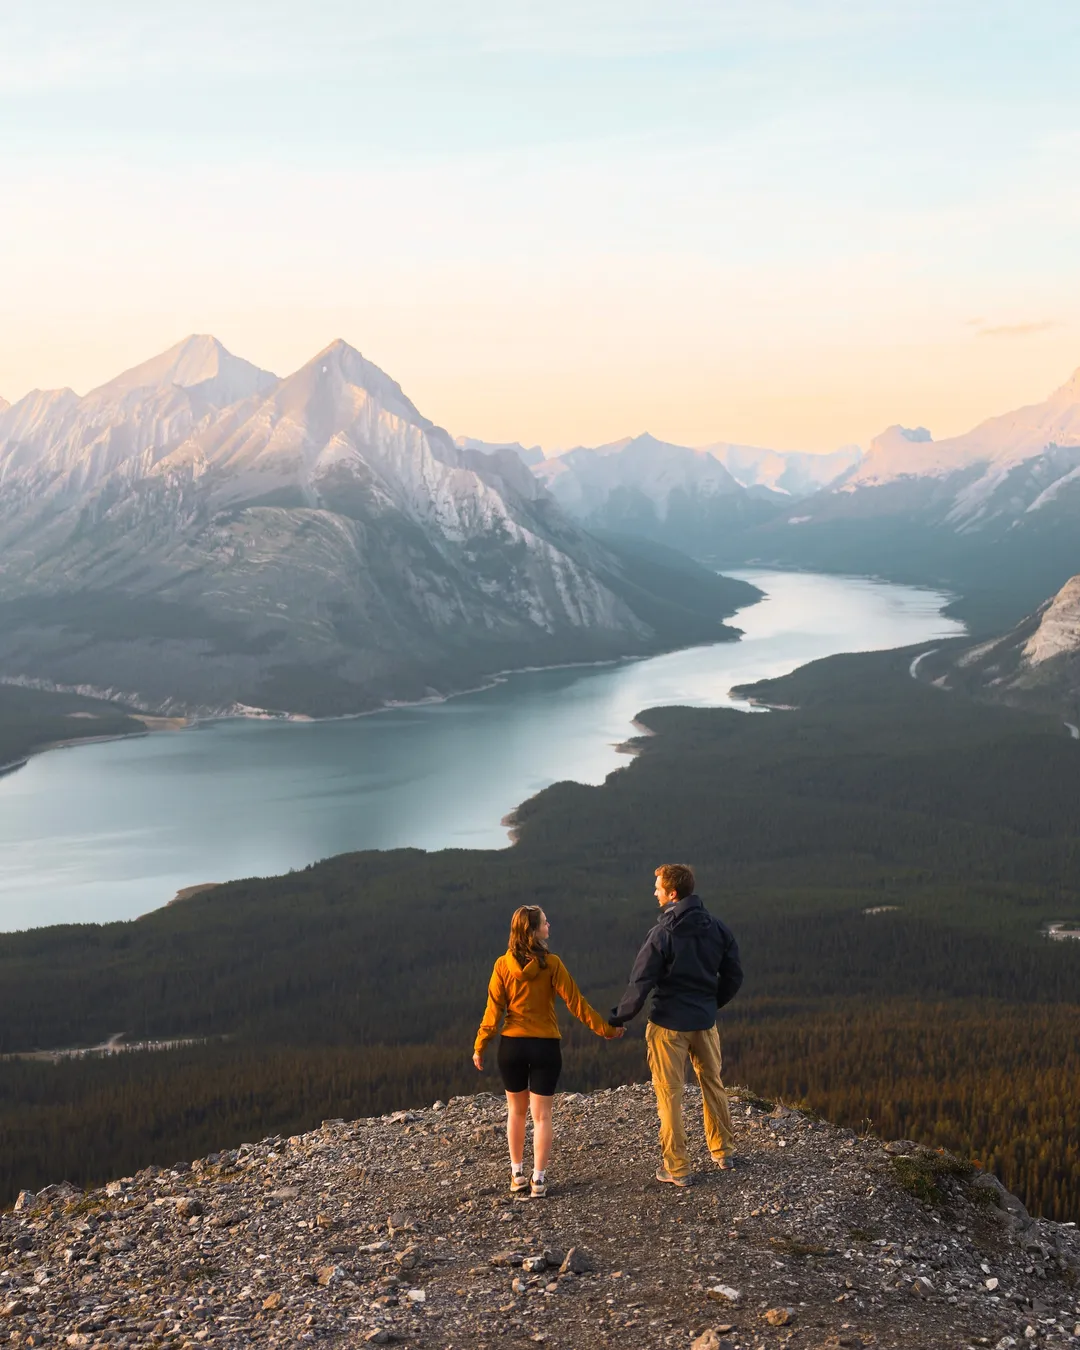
(522, 989)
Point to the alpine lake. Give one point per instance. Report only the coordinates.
(110, 830)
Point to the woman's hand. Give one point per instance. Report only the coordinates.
(478, 1060)
(615, 1033)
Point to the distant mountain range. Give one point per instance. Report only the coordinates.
(198, 533)
(692, 499)
(994, 513)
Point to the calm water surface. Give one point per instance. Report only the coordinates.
(109, 831)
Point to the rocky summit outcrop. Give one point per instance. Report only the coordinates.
(400, 1231)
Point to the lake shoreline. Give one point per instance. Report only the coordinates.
(152, 724)
(433, 781)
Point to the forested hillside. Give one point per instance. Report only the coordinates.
(32, 718)
(356, 984)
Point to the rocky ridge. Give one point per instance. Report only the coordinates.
(400, 1230)
(1036, 665)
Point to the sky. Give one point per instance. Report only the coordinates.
(781, 222)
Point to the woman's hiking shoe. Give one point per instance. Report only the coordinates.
(538, 1189)
(519, 1183)
(662, 1174)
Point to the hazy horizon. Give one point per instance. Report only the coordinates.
(785, 225)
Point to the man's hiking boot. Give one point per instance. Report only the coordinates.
(662, 1174)
(538, 1189)
(726, 1162)
(519, 1183)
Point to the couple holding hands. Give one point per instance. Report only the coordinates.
(689, 962)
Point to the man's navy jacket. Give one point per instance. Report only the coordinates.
(691, 959)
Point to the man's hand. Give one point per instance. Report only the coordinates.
(616, 1033)
(478, 1060)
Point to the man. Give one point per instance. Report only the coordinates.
(691, 960)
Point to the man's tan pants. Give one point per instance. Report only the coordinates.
(668, 1052)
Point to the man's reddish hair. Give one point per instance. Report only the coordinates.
(677, 877)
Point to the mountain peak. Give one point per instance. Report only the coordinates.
(344, 365)
(199, 361)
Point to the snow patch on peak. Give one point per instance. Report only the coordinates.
(1058, 632)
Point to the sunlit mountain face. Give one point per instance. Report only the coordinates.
(200, 532)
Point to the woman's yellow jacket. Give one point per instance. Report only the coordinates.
(525, 996)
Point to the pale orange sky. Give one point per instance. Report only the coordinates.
(783, 225)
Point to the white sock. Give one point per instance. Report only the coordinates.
(517, 1168)
(538, 1174)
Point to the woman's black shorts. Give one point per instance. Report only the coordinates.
(530, 1062)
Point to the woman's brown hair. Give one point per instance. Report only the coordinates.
(524, 943)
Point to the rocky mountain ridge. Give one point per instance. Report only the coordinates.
(202, 534)
(400, 1230)
(1035, 665)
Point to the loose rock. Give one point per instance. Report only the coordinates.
(577, 1262)
(823, 1224)
(725, 1293)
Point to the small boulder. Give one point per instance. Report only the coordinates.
(533, 1265)
(26, 1200)
(779, 1317)
(922, 1287)
(724, 1293)
(400, 1223)
(329, 1276)
(272, 1302)
(576, 1262)
(188, 1206)
(710, 1340)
